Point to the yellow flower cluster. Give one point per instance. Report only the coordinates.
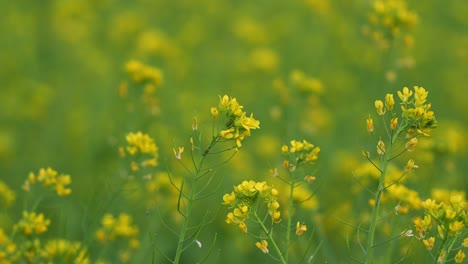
(305, 83)
(32, 223)
(237, 123)
(299, 152)
(244, 200)
(151, 79)
(8, 250)
(140, 144)
(388, 19)
(64, 250)
(416, 111)
(417, 117)
(451, 219)
(51, 179)
(7, 195)
(140, 73)
(121, 227)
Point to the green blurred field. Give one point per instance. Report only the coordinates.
(61, 64)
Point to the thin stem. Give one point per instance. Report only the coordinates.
(290, 213)
(270, 237)
(375, 210)
(190, 199)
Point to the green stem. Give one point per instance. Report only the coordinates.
(270, 237)
(375, 210)
(188, 209)
(290, 213)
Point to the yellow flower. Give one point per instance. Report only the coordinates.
(380, 147)
(300, 229)
(214, 112)
(420, 96)
(441, 231)
(178, 154)
(410, 166)
(411, 144)
(370, 125)
(465, 242)
(229, 199)
(429, 243)
(460, 256)
(394, 123)
(32, 223)
(405, 95)
(309, 178)
(389, 102)
(379, 106)
(456, 227)
(263, 246)
(243, 227)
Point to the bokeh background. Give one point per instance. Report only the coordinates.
(62, 62)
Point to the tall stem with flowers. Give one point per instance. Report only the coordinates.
(247, 198)
(231, 126)
(417, 119)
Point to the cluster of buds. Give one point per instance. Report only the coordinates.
(416, 118)
(32, 223)
(451, 221)
(390, 19)
(237, 124)
(146, 75)
(50, 179)
(140, 145)
(121, 230)
(299, 153)
(244, 199)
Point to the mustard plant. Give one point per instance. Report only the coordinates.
(401, 135)
(247, 198)
(230, 127)
(443, 229)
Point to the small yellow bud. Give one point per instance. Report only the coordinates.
(300, 229)
(214, 112)
(460, 256)
(263, 246)
(365, 153)
(309, 178)
(380, 147)
(379, 106)
(410, 166)
(394, 123)
(370, 125)
(429, 243)
(411, 144)
(243, 227)
(389, 102)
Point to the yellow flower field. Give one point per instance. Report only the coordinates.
(216, 131)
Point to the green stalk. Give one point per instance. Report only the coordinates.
(270, 237)
(188, 210)
(375, 211)
(290, 212)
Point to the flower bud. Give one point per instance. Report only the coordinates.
(380, 147)
(379, 106)
(411, 144)
(389, 102)
(370, 125)
(394, 123)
